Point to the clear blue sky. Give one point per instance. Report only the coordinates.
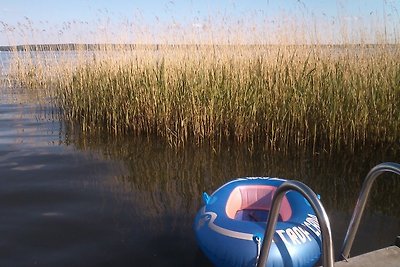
(51, 21)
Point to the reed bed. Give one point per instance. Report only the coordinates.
(323, 98)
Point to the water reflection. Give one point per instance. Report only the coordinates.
(167, 183)
(131, 201)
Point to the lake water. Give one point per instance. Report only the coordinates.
(67, 199)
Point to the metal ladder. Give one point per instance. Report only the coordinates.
(362, 201)
(323, 220)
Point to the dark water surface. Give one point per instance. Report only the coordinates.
(71, 200)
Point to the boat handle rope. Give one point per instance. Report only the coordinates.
(257, 240)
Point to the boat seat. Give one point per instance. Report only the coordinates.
(253, 215)
(253, 202)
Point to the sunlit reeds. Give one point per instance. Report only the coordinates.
(284, 95)
(318, 97)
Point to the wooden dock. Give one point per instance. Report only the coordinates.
(388, 257)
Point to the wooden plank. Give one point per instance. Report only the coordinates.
(388, 257)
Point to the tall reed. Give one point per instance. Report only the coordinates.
(281, 97)
(285, 84)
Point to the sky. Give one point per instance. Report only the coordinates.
(174, 21)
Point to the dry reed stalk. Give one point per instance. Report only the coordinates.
(291, 95)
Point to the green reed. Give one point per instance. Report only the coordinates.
(280, 97)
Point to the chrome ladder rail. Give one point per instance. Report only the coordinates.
(323, 221)
(362, 201)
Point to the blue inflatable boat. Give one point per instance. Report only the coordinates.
(230, 226)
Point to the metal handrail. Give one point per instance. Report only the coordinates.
(362, 201)
(323, 221)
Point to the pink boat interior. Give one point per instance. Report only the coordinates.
(253, 202)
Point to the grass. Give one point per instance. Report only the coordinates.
(285, 96)
(281, 97)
